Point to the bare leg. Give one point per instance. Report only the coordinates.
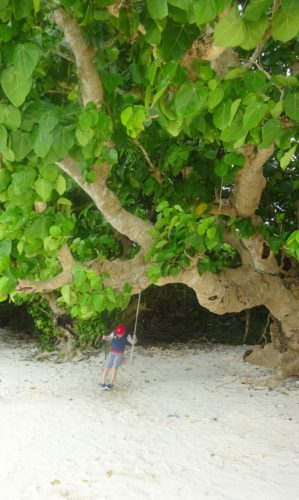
(104, 375)
(113, 377)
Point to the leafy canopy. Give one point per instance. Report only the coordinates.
(186, 119)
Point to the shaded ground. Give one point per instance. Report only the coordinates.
(173, 315)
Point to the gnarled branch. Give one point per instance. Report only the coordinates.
(250, 181)
(66, 260)
(92, 90)
(108, 203)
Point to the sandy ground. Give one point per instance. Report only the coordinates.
(179, 425)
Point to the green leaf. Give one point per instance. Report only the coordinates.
(254, 114)
(111, 295)
(4, 179)
(48, 120)
(291, 106)
(234, 159)
(63, 141)
(3, 138)
(230, 31)
(55, 231)
(21, 9)
(254, 33)
(181, 4)
(10, 116)
(20, 144)
(235, 73)
(277, 109)
(190, 99)
(286, 158)
(162, 205)
(43, 188)
(86, 120)
(177, 40)
(84, 136)
(8, 154)
(284, 81)
(3, 4)
(60, 184)
(98, 302)
(158, 9)
(153, 35)
(126, 115)
(49, 172)
(211, 233)
(25, 58)
(6, 33)
(255, 81)
(256, 9)
(290, 7)
(128, 21)
(133, 118)
(66, 293)
(221, 169)
(206, 73)
(285, 27)
(23, 179)
(234, 109)
(41, 142)
(204, 10)
(234, 132)
(161, 244)
(64, 201)
(5, 248)
(109, 155)
(221, 117)
(36, 4)
(154, 272)
(15, 86)
(269, 132)
(215, 98)
(221, 5)
(4, 284)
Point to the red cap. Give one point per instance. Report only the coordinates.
(119, 329)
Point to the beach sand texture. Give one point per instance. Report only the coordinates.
(179, 424)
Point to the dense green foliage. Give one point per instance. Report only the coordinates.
(190, 128)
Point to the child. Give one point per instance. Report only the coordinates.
(119, 338)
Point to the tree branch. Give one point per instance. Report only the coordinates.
(256, 54)
(66, 260)
(92, 90)
(227, 291)
(250, 181)
(154, 170)
(108, 203)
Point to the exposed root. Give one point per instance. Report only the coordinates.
(285, 363)
(59, 356)
(267, 382)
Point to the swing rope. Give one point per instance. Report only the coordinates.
(135, 326)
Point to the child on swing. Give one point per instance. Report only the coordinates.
(119, 338)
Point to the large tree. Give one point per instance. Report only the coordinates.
(151, 142)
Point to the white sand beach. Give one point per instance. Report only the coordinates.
(179, 424)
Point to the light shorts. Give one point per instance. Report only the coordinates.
(113, 360)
